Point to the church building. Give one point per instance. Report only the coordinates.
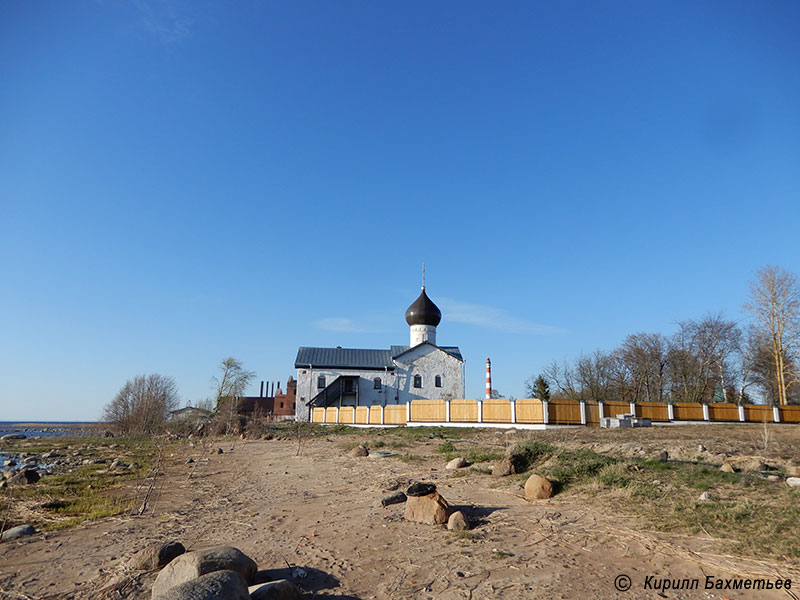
(361, 377)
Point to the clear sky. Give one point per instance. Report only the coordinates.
(182, 181)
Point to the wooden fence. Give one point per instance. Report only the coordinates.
(531, 411)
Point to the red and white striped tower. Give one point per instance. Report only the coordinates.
(488, 379)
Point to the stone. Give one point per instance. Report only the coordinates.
(393, 498)
(359, 451)
(276, 590)
(458, 522)
(218, 451)
(457, 463)
(431, 509)
(705, 497)
(663, 456)
(727, 468)
(538, 488)
(419, 488)
(18, 532)
(758, 466)
(773, 478)
(504, 467)
(701, 448)
(192, 565)
(793, 482)
(13, 436)
(157, 555)
(118, 464)
(25, 477)
(218, 585)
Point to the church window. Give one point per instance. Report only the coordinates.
(281, 404)
(321, 382)
(438, 381)
(417, 381)
(376, 383)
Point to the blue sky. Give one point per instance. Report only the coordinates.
(185, 181)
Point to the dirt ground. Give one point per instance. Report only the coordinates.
(320, 511)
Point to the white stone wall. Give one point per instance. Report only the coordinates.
(422, 333)
(367, 395)
(397, 387)
(429, 361)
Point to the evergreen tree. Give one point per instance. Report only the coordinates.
(541, 389)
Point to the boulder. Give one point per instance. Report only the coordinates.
(219, 585)
(504, 467)
(13, 436)
(192, 565)
(701, 448)
(18, 532)
(458, 522)
(419, 488)
(393, 498)
(25, 477)
(663, 456)
(429, 509)
(157, 555)
(793, 482)
(538, 488)
(359, 451)
(757, 466)
(705, 497)
(727, 468)
(457, 463)
(276, 590)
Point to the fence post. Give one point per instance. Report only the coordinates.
(670, 412)
(705, 413)
(447, 410)
(480, 410)
(545, 412)
(513, 404)
(600, 410)
(408, 411)
(583, 412)
(337, 414)
(776, 414)
(354, 415)
(632, 407)
(383, 415)
(741, 413)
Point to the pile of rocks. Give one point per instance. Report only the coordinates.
(28, 467)
(220, 573)
(424, 504)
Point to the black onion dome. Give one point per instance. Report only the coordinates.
(423, 311)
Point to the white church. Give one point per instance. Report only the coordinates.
(359, 377)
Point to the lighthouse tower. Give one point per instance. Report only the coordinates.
(422, 317)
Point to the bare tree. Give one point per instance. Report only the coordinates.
(232, 382)
(142, 405)
(229, 386)
(775, 304)
(645, 356)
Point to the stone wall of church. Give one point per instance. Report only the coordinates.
(397, 387)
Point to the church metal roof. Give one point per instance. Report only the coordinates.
(343, 358)
(355, 358)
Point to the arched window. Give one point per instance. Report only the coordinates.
(376, 383)
(438, 381)
(417, 381)
(321, 382)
